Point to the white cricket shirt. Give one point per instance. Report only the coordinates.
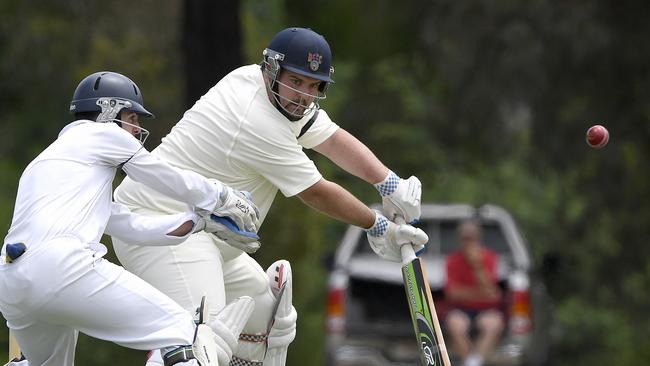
(234, 134)
(67, 189)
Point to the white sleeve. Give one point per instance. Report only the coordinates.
(146, 230)
(318, 132)
(112, 144)
(284, 164)
(181, 185)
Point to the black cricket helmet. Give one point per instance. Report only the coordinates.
(304, 52)
(108, 93)
(105, 86)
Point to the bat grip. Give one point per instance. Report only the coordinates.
(408, 254)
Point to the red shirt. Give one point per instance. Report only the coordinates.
(461, 274)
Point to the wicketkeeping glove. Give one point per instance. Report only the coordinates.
(239, 207)
(235, 219)
(226, 229)
(386, 238)
(400, 197)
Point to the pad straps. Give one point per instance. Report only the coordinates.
(180, 354)
(236, 361)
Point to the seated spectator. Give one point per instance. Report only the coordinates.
(474, 297)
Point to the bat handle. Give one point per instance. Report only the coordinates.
(408, 254)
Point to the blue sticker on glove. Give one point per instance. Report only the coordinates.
(230, 224)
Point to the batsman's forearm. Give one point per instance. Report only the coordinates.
(353, 156)
(334, 201)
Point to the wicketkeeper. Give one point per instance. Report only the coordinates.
(54, 282)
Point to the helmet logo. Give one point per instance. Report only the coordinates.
(314, 60)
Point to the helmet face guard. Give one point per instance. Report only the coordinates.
(304, 52)
(273, 68)
(111, 108)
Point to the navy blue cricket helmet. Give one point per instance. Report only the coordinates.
(300, 50)
(107, 84)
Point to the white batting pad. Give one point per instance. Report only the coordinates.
(283, 327)
(208, 349)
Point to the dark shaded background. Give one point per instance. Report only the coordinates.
(484, 100)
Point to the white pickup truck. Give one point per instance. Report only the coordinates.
(368, 321)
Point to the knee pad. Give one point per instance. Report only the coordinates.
(282, 327)
(282, 286)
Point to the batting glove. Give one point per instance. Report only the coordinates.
(386, 238)
(400, 197)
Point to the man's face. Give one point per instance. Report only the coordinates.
(469, 236)
(296, 91)
(131, 118)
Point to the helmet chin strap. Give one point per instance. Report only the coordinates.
(289, 116)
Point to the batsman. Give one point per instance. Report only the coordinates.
(250, 131)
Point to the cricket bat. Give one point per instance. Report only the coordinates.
(14, 348)
(423, 312)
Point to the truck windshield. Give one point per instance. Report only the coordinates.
(443, 237)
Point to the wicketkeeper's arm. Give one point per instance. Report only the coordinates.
(205, 196)
(154, 230)
(182, 185)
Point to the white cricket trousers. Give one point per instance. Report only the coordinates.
(59, 288)
(201, 266)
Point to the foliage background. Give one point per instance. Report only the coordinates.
(483, 100)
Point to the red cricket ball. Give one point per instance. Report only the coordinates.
(597, 136)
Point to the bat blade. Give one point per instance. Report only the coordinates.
(423, 313)
(14, 348)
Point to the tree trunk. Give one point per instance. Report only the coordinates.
(211, 44)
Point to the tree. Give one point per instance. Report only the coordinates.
(211, 44)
